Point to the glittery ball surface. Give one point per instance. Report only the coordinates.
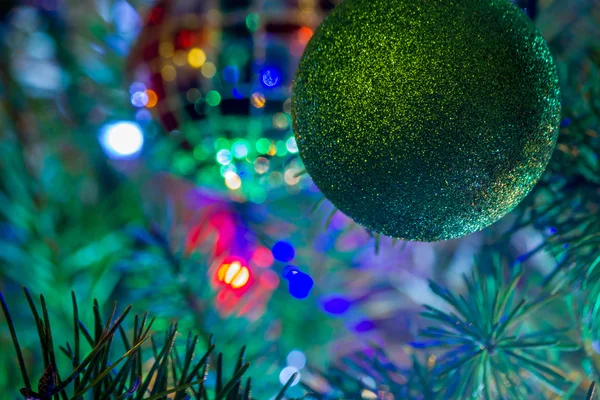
(426, 120)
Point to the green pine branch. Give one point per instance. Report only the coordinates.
(99, 375)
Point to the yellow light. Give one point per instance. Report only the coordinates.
(168, 73)
(241, 278)
(209, 70)
(233, 180)
(281, 121)
(196, 57)
(165, 49)
(234, 274)
(258, 100)
(179, 58)
(232, 271)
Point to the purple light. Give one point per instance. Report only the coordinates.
(364, 326)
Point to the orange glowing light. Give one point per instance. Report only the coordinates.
(235, 274)
(152, 98)
(258, 100)
(304, 34)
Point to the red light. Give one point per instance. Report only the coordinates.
(262, 257)
(156, 15)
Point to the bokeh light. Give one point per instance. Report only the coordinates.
(234, 274)
(336, 305)
(287, 373)
(122, 140)
(270, 77)
(258, 100)
(283, 251)
(196, 57)
(152, 98)
(296, 359)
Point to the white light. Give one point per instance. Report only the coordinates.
(139, 99)
(296, 359)
(122, 140)
(224, 157)
(287, 373)
(291, 145)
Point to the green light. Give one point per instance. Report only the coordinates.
(281, 148)
(240, 149)
(184, 164)
(200, 153)
(252, 21)
(258, 195)
(213, 98)
(221, 143)
(263, 146)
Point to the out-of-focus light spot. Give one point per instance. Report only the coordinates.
(270, 77)
(196, 57)
(304, 34)
(287, 106)
(269, 280)
(168, 73)
(263, 145)
(209, 70)
(290, 177)
(179, 58)
(252, 22)
(40, 46)
(237, 94)
(165, 49)
(364, 326)
(262, 257)
(281, 121)
(152, 98)
(552, 231)
(143, 116)
(239, 149)
(291, 145)
(275, 179)
(283, 251)
(368, 394)
(137, 87)
(258, 195)
(213, 98)
(296, 359)
(224, 157)
(300, 283)
(281, 148)
(231, 74)
(156, 15)
(261, 165)
(193, 95)
(185, 38)
(122, 140)
(225, 169)
(233, 180)
(139, 99)
(368, 381)
(272, 149)
(258, 100)
(235, 274)
(336, 305)
(287, 373)
(200, 153)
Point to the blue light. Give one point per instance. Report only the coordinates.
(122, 140)
(336, 305)
(300, 283)
(270, 77)
(283, 251)
(231, 74)
(236, 93)
(364, 326)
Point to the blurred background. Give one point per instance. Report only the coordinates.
(147, 156)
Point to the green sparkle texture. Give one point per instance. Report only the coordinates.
(426, 120)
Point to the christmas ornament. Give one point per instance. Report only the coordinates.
(426, 120)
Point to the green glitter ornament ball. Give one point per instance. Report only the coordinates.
(426, 120)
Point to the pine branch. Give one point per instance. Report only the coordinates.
(99, 377)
